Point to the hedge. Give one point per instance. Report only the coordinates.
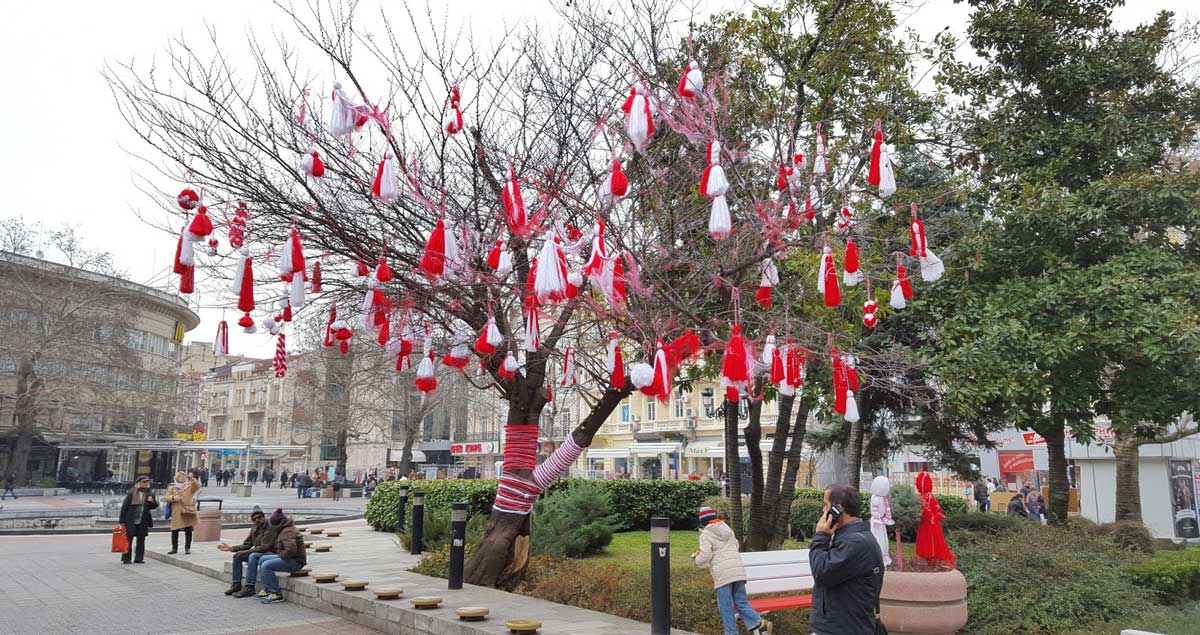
(635, 501)
(1174, 576)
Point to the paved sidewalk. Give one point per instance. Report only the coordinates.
(72, 584)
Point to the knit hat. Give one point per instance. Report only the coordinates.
(142, 478)
(277, 517)
(257, 511)
(707, 514)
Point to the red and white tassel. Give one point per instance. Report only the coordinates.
(280, 361)
(514, 204)
(459, 355)
(200, 226)
(901, 289)
(221, 343)
(640, 121)
(887, 174)
(820, 166)
(237, 226)
(188, 199)
(316, 277)
(615, 363)
(616, 184)
(778, 371)
(851, 268)
(827, 279)
(692, 81)
(383, 274)
(845, 219)
(659, 386)
(568, 369)
(714, 185)
(735, 366)
(313, 165)
(598, 268)
(931, 266)
(499, 259)
(243, 285)
(874, 172)
(346, 116)
(386, 186)
(533, 335)
(769, 351)
(433, 260)
(793, 369)
(767, 280)
(508, 369)
(404, 354)
(870, 309)
(426, 381)
(489, 338)
(796, 171)
(453, 122)
(551, 280)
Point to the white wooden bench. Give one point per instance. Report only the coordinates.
(774, 572)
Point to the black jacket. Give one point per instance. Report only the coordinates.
(126, 517)
(847, 570)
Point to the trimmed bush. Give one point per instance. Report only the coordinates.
(439, 494)
(1132, 536)
(804, 516)
(906, 511)
(437, 563)
(1174, 576)
(993, 524)
(635, 501)
(575, 522)
(952, 505)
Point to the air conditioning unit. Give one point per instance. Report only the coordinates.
(691, 421)
(690, 412)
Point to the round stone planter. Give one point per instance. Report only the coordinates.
(915, 603)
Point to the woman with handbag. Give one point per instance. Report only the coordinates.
(135, 517)
(181, 496)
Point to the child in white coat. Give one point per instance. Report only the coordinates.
(719, 553)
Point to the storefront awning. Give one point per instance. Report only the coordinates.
(653, 449)
(608, 453)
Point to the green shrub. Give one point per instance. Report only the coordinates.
(635, 501)
(804, 516)
(724, 508)
(952, 505)
(984, 523)
(1129, 535)
(575, 522)
(906, 511)
(1043, 580)
(434, 535)
(1174, 576)
(810, 493)
(437, 563)
(439, 494)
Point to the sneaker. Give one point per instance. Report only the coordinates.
(263, 593)
(764, 628)
(245, 593)
(274, 598)
(233, 588)
(187, 552)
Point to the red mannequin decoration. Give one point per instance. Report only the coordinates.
(931, 542)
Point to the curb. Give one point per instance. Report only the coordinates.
(155, 530)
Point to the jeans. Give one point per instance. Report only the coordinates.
(299, 491)
(252, 561)
(731, 602)
(9, 490)
(268, 565)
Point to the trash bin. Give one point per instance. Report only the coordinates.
(241, 489)
(208, 521)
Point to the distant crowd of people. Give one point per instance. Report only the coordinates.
(1027, 502)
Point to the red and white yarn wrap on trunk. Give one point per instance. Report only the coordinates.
(559, 462)
(426, 380)
(346, 116)
(615, 362)
(489, 338)
(714, 185)
(221, 342)
(568, 369)
(508, 368)
(767, 280)
(243, 285)
(793, 365)
(931, 266)
(551, 280)
(280, 361)
(639, 123)
(292, 268)
(616, 184)
(453, 122)
(736, 365)
(691, 83)
(827, 279)
(499, 259)
(901, 289)
(870, 309)
(313, 165)
(820, 165)
(851, 268)
(386, 186)
(237, 226)
(515, 213)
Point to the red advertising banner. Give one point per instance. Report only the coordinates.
(1016, 462)
(1033, 438)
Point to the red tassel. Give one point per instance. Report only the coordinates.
(778, 373)
(833, 294)
(433, 261)
(329, 327)
(615, 363)
(873, 174)
(905, 283)
(179, 267)
(931, 541)
(287, 313)
(794, 365)
(404, 357)
(735, 371)
(385, 331)
(383, 273)
(201, 224)
(361, 270)
(187, 279)
(781, 182)
(313, 166)
(316, 277)
(246, 321)
(246, 292)
(839, 383)
(763, 297)
(493, 258)
(618, 184)
(810, 210)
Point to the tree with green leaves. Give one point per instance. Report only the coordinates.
(1078, 285)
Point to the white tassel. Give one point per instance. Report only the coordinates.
(719, 223)
(297, 294)
(454, 263)
(768, 352)
(344, 118)
(533, 337)
(641, 374)
(550, 282)
(187, 253)
(887, 176)
(931, 267)
(389, 184)
(285, 256)
(897, 300)
(770, 274)
(819, 166)
(639, 124)
(851, 407)
(506, 266)
(694, 79)
(825, 254)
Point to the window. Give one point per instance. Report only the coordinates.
(651, 409)
(273, 427)
(239, 396)
(219, 431)
(625, 412)
(257, 421)
(237, 429)
(916, 466)
(680, 404)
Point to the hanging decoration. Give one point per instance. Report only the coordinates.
(237, 226)
(768, 278)
(640, 121)
(489, 338)
(851, 273)
(735, 366)
(880, 173)
(221, 342)
(313, 165)
(460, 354)
(453, 123)
(188, 199)
(614, 362)
(316, 277)
(292, 268)
(714, 185)
(692, 81)
(870, 308)
(568, 369)
(819, 162)
(433, 260)
(551, 280)
(901, 289)
(426, 381)
(931, 266)
(851, 410)
(243, 285)
(508, 369)
(514, 204)
(793, 369)
(499, 259)
(616, 184)
(280, 361)
(827, 279)
(386, 186)
(346, 116)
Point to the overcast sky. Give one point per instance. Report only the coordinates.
(63, 144)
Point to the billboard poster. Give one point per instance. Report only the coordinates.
(1183, 499)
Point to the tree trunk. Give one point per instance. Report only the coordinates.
(783, 509)
(753, 437)
(29, 387)
(342, 458)
(733, 467)
(1060, 487)
(1129, 494)
(762, 516)
(854, 452)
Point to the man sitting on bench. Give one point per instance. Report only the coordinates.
(847, 568)
(258, 544)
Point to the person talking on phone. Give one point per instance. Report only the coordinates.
(847, 569)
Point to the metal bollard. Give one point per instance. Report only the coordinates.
(458, 543)
(418, 528)
(660, 575)
(401, 508)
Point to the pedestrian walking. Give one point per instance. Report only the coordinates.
(283, 479)
(289, 555)
(981, 496)
(268, 476)
(204, 476)
(181, 496)
(8, 487)
(719, 554)
(135, 516)
(847, 568)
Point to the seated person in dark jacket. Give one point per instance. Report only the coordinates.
(259, 543)
(135, 515)
(847, 568)
(289, 556)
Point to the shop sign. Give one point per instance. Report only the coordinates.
(1016, 462)
(483, 447)
(1033, 438)
(191, 436)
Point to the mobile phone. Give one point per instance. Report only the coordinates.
(834, 513)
